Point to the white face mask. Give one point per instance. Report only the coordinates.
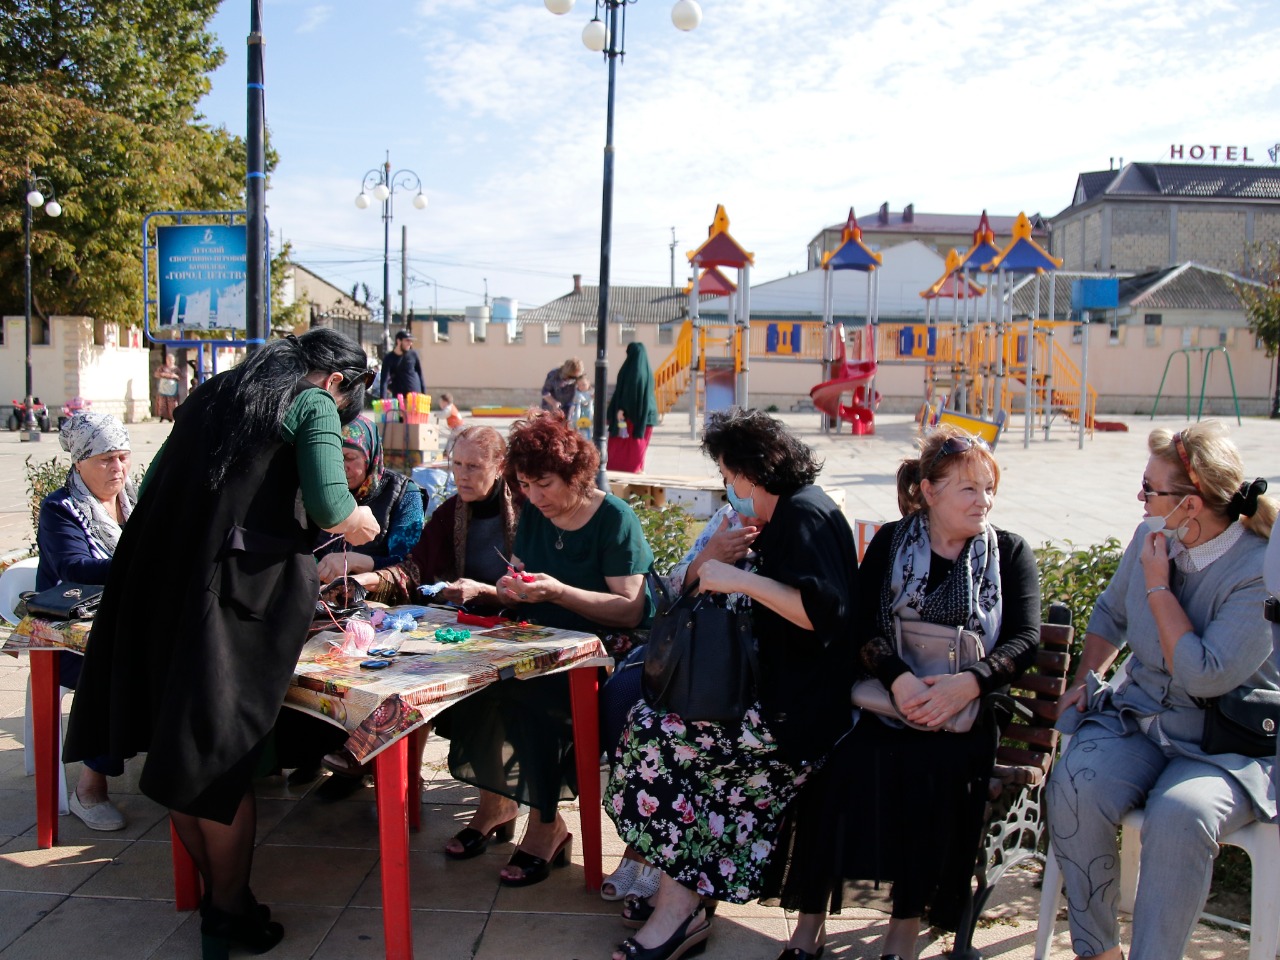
(1159, 524)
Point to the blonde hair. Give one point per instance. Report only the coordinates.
(572, 368)
(933, 466)
(1214, 472)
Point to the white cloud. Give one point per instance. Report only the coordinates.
(314, 17)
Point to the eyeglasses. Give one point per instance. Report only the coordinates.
(1148, 491)
(367, 378)
(954, 445)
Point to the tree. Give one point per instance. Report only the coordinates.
(1259, 295)
(101, 98)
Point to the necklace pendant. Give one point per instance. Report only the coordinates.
(560, 540)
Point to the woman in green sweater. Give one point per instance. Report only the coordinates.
(193, 647)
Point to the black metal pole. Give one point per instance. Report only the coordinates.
(255, 189)
(386, 261)
(29, 418)
(598, 433)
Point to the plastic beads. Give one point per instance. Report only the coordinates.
(452, 635)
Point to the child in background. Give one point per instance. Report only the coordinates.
(583, 406)
(453, 419)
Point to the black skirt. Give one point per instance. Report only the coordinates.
(892, 805)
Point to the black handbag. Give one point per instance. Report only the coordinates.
(66, 601)
(700, 662)
(1243, 721)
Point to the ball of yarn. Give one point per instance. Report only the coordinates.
(359, 633)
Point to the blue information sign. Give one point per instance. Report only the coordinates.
(202, 276)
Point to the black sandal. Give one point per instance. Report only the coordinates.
(535, 869)
(475, 843)
(795, 953)
(682, 943)
(636, 911)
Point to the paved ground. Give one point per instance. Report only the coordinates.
(106, 895)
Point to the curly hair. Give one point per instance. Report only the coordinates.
(1214, 471)
(760, 448)
(545, 444)
(934, 466)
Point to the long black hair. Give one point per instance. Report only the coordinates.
(249, 401)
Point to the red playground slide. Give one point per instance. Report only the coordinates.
(852, 378)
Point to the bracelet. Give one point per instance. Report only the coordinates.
(1151, 590)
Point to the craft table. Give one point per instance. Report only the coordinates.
(386, 713)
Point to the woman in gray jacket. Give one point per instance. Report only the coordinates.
(1187, 602)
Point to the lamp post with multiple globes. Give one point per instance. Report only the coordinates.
(609, 39)
(34, 197)
(381, 184)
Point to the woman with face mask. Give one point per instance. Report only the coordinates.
(1187, 602)
(197, 634)
(703, 801)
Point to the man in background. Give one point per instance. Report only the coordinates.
(401, 369)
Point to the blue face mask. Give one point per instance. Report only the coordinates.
(745, 506)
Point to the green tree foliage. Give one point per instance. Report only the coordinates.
(101, 99)
(1261, 299)
(1076, 576)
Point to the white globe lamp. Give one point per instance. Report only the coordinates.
(595, 36)
(53, 208)
(363, 201)
(381, 192)
(558, 7)
(686, 15)
(35, 198)
(420, 201)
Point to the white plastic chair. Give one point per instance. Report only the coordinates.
(1261, 841)
(16, 580)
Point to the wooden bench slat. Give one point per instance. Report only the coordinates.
(1041, 684)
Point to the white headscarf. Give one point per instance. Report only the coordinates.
(88, 435)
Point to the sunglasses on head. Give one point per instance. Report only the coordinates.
(953, 445)
(349, 382)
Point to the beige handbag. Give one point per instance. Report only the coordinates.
(928, 649)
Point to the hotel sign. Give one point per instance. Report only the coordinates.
(1212, 151)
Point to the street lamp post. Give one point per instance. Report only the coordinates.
(34, 197)
(610, 40)
(382, 184)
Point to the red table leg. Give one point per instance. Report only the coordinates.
(45, 709)
(186, 878)
(583, 690)
(417, 740)
(391, 770)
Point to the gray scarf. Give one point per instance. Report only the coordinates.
(101, 527)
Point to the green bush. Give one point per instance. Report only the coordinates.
(1076, 576)
(43, 477)
(667, 529)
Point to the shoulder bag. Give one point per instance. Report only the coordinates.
(1243, 721)
(700, 662)
(928, 649)
(66, 601)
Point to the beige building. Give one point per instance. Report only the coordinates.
(1147, 216)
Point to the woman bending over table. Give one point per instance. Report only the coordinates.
(1187, 601)
(896, 803)
(587, 556)
(76, 537)
(192, 649)
(703, 801)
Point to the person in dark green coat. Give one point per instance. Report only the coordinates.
(633, 406)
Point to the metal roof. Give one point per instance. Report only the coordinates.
(1180, 180)
(630, 304)
(1187, 286)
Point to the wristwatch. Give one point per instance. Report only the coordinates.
(1271, 609)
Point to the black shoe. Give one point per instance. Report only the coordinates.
(535, 869)
(475, 843)
(218, 931)
(795, 953)
(682, 943)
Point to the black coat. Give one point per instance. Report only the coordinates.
(203, 618)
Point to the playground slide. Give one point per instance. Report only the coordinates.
(853, 380)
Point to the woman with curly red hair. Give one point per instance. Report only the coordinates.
(585, 557)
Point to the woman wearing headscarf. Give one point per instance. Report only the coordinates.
(76, 536)
(192, 650)
(633, 403)
(394, 499)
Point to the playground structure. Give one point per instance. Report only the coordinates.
(1208, 352)
(985, 364)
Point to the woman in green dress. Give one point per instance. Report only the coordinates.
(586, 556)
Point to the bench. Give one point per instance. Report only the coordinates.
(1015, 799)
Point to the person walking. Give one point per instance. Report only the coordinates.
(401, 369)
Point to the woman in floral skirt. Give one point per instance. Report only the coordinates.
(702, 801)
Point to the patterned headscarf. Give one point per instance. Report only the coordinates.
(88, 434)
(361, 434)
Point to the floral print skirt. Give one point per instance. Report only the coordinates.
(702, 801)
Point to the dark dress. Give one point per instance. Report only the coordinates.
(515, 737)
(704, 801)
(204, 614)
(901, 805)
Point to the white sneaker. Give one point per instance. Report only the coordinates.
(103, 815)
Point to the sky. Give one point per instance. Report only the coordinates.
(787, 112)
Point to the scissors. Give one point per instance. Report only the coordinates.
(511, 569)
